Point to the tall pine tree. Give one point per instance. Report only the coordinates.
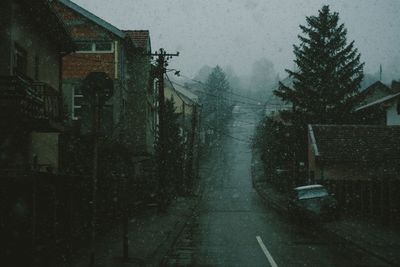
(217, 87)
(328, 74)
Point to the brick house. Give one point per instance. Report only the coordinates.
(142, 93)
(101, 47)
(127, 124)
(128, 117)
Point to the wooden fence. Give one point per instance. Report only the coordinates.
(377, 199)
(44, 217)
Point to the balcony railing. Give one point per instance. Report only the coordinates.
(27, 100)
(52, 108)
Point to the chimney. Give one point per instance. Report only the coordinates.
(395, 86)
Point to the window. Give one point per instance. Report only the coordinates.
(398, 108)
(37, 63)
(103, 46)
(84, 47)
(96, 47)
(77, 103)
(20, 59)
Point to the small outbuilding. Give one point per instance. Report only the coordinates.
(360, 163)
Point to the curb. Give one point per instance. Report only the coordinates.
(283, 210)
(165, 248)
(276, 205)
(361, 247)
(258, 185)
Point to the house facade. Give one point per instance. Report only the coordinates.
(379, 105)
(383, 111)
(142, 94)
(101, 47)
(128, 116)
(373, 92)
(34, 42)
(187, 105)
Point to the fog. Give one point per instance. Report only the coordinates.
(238, 33)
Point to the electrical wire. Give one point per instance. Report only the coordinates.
(237, 101)
(232, 93)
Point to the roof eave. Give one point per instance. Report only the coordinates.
(378, 102)
(313, 141)
(104, 24)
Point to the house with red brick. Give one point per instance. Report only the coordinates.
(101, 47)
(142, 93)
(128, 125)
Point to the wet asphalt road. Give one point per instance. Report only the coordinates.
(230, 217)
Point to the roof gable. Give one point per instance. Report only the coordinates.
(374, 92)
(90, 16)
(186, 96)
(140, 38)
(42, 14)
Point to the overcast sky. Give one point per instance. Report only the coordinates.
(238, 32)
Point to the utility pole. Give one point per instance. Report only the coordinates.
(95, 131)
(162, 58)
(97, 88)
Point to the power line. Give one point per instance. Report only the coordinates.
(232, 93)
(238, 101)
(268, 102)
(230, 136)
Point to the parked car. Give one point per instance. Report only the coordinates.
(312, 202)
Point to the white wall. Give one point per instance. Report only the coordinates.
(392, 118)
(45, 147)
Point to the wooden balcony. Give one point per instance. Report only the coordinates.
(31, 103)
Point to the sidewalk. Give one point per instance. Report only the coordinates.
(376, 239)
(383, 243)
(150, 236)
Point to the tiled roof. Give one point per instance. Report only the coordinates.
(139, 38)
(352, 143)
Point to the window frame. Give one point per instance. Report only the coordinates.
(75, 107)
(398, 107)
(20, 52)
(94, 47)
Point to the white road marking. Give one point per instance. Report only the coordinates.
(266, 252)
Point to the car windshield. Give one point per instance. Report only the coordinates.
(312, 193)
